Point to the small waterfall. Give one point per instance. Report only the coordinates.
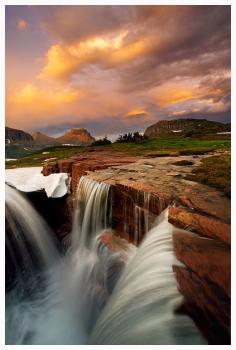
(91, 212)
(141, 308)
(141, 217)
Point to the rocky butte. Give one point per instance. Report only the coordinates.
(186, 127)
(76, 137)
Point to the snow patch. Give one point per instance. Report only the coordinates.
(46, 160)
(45, 152)
(31, 180)
(10, 159)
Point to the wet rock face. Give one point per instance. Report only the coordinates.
(134, 212)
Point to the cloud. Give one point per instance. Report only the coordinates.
(32, 104)
(108, 52)
(21, 24)
(119, 68)
(136, 113)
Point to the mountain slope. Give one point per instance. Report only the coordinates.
(42, 139)
(16, 136)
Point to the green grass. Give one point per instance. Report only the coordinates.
(38, 158)
(152, 146)
(181, 145)
(214, 171)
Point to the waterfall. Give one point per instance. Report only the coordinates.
(142, 307)
(92, 294)
(29, 241)
(31, 253)
(91, 212)
(65, 308)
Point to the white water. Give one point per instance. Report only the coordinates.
(141, 214)
(22, 219)
(75, 302)
(141, 308)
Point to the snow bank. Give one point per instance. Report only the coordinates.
(31, 180)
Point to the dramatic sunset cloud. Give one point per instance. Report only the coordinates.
(114, 69)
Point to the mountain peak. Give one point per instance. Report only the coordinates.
(76, 136)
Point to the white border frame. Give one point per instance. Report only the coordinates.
(2, 159)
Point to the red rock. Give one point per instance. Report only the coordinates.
(65, 166)
(205, 200)
(208, 258)
(50, 168)
(205, 304)
(205, 282)
(202, 224)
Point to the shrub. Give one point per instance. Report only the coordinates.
(101, 142)
(135, 137)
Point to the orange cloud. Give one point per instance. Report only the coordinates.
(33, 104)
(22, 24)
(137, 113)
(63, 60)
(31, 94)
(175, 95)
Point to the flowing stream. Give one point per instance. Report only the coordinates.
(90, 294)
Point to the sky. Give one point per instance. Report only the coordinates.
(114, 69)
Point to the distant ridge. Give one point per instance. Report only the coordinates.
(16, 136)
(73, 137)
(186, 127)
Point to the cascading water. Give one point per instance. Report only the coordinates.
(142, 307)
(76, 302)
(141, 217)
(31, 253)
